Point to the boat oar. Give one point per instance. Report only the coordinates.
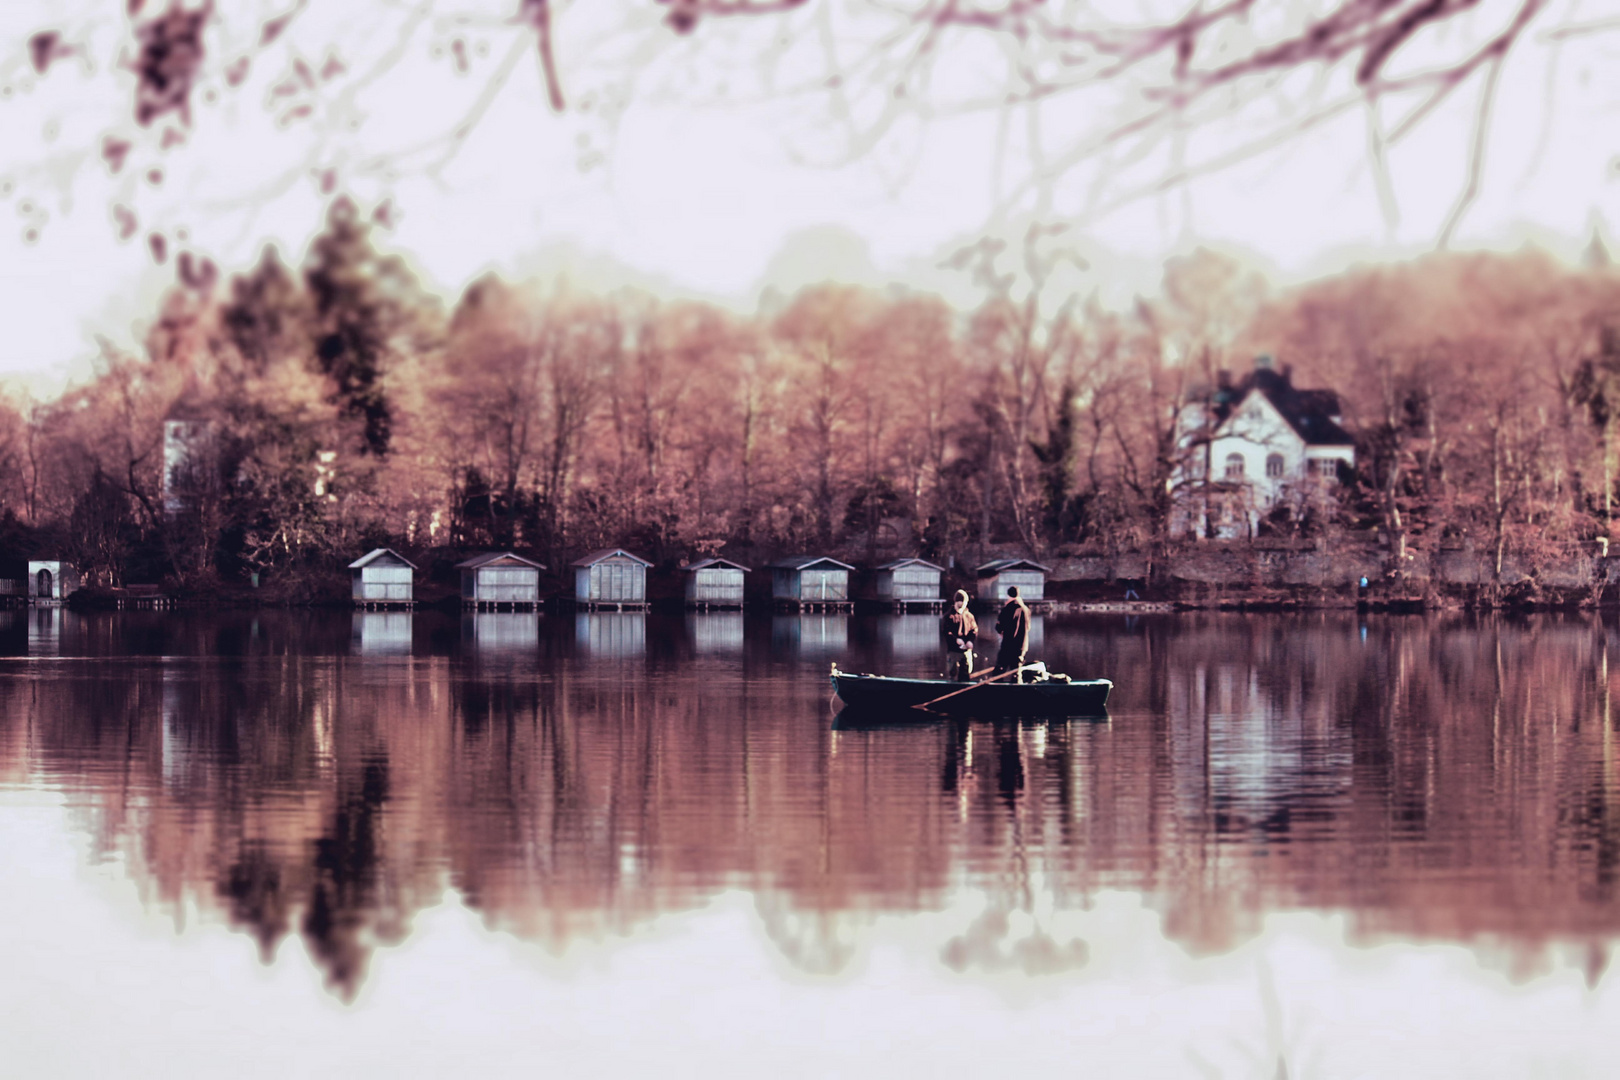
(983, 682)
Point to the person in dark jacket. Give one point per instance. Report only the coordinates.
(1013, 626)
(960, 630)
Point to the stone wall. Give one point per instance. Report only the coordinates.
(1206, 566)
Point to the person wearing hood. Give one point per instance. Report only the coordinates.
(960, 630)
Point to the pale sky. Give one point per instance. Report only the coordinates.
(677, 168)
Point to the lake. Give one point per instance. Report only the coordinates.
(1307, 845)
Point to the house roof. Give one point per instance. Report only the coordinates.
(376, 553)
(901, 563)
(1311, 413)
(996, 566)
(489, 558)
(607, 553)
(719, 564)
(807, 562)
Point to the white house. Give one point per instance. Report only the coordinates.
(1250, 446)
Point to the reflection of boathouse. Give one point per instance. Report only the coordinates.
(381, 633)
(715, 583)
(51, 581)
(45, 631)
(500, 579)
(608, 634)
(810, 583)
(811, 633)
(383, 578)
(493, 633)
(715, 631)
(910, 635)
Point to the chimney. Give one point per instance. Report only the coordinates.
(1264, 362)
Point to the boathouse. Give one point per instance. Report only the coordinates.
(611, 578)
(51, 581)
(1028, 575)
(715, 583)
(383, 578)
(500, 579)
(810, 582)
(907, 583)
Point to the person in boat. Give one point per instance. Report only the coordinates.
(960, 630)
(1013, 626)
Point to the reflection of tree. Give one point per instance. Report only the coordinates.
(344, 897)
(1449, 779)
(987, 945)
(252, 890)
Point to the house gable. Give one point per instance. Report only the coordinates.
(1258, 422)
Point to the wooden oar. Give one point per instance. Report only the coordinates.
(982, 682)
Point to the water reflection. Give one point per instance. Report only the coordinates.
(1440, 779)
(910, 637)
(611, 634)
(45, 631)
(382, 633)
(715, 632)
(496, 633)
(811, 634)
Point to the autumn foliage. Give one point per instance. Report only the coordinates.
(348, 407)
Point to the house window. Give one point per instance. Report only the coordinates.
(1234, 466)
(1326, 468)
(1274, 466)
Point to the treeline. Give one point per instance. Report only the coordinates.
(337, 405)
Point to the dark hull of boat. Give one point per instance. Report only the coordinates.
(872, 694)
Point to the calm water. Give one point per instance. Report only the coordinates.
(1302, 846)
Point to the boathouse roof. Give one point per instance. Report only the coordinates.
(376, 553)
(809, 562)
(996, 566)
(495, 558)
(718, 563)
(901, 564)
(607, 553)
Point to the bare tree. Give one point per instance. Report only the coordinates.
(1115, 95)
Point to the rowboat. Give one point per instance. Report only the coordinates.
(1045, 695)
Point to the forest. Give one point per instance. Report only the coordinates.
(338, 405)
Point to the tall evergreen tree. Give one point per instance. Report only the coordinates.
(364, 303)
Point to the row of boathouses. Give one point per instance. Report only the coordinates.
(614, 578)
(617, 579)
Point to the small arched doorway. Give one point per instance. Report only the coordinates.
(44, 585)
